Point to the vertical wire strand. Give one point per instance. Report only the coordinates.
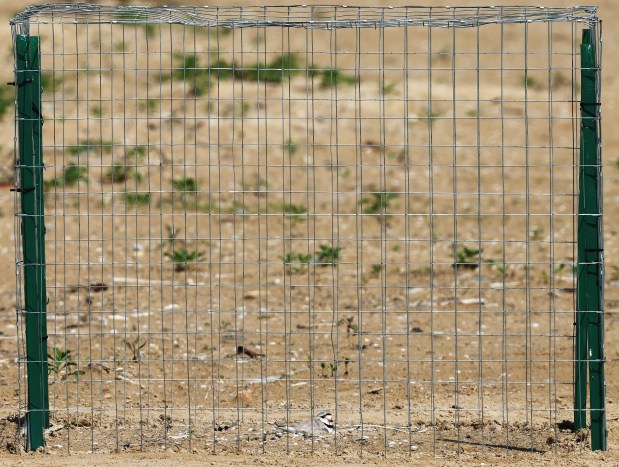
(480, 325)
(504, 218)
(454, 135)
(552, 330)
(528, 324)
(432, 243)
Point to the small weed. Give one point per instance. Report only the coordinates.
(152, 105)
(90, 145)
(531, 83)
(277, 70)
(71, 175)
(182, 257)
(185, 184)
(328, 255)
(432, 115)
(150, 30)
(347, 362)
(61, 364)
(377, 202)
(471, 113)
(331, 368)
(387, 88)
(136, 346)
(332, 77)
(500, 268)
(467, 258)
(225, 326)
(191, 73)
(96, 112)
(136, 151)
(376, 269)
(280, 68)
(120, 173)
(293, 212)
(351, 327)
(236, 207)
(295, 262)
(559, 80)
(137, 198)
(536, 234)
(290, 147)
(240, 109)
(50, 82)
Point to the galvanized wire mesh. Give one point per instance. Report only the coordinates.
(255, 215)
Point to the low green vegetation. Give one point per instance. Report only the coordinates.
(328, 369)
(332, 77)
(90, 145)
(351, 327)
(293, 212)
(467, 258)
(120, 173)
(177, 251)
(328, 255)
(136, 151)
(290, 147)
(377, 203)
(185, 184)
(71, 175)
(61, 363)
(193, 74)
(295, 262)
(136, 346)
(137, 198)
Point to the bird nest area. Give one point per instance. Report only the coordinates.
(250, 225)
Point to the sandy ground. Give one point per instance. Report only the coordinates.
(135, 396)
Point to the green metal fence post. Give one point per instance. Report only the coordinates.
(589, 321)
(27, 81)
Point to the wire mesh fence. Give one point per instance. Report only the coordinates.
(308, 228)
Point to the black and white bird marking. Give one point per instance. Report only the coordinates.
(314, 427)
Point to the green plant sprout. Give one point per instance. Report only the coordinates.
(136, 346)
(351, 327)
(182, 257)
(137, 198)
(290, 147)
(347, 362)
(377, 202)
(332, 77)
(387, 88)
(185, 184)
(279, 68)
(137, 151)
(330, 367)
(467, 258)
(328, 255)
(119, 173)
(71, 175)
(294, 262)
(293, 212)
(61, 364)
(90, 145)
(193, 74)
